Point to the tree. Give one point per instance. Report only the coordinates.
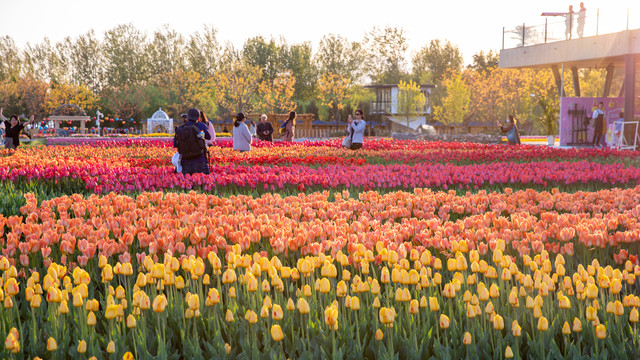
(455, 104)
(60, 94)
(278, 93)
(203, 52)
(411, 100)
(124, 102)
(10, 60)
(265, 55)
(485, 62)
(336, 55)
(86, 62)
(126, 60)
(239, 82)
(10, 97)
(432, 62)
(385, 54)
(33, 93)
(165, 52)
(358, 95)
(332, 93)
(298, 60)
(37, 60)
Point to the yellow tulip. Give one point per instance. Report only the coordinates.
(11, 342)
(51, 344)
(564, 302)
(82, 347)
(127, 356)
(325, 286)
(303, 306)
(276, 332)
(433, 304)
(633, 316)
(387, 316)
(193, 302)
(251, 317)
(290, 305)
(120, 292)
(131, 321)
(592, 291)
(331, 317)
(232, 292)
(498, 322)
(159, 303)
(618, 309)
(466, 339)
(341, 288)
(307, 290)
(494, 292)
(111, 347)
(111, 312)
(543, 324)
(91, 318)
(414, 306)
(444, 321)
(355, 303)
(516, 330)
(601, 331)
(566, 329)
(508, 353)
(36, 300)
(449, 290)
(379, 335)
(376, 303)
(591, 313)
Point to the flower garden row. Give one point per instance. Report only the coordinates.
(117, 271)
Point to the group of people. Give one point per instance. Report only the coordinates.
(581, 17)
(11, 130)
(197, 132)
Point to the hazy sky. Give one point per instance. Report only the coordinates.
(471, 25)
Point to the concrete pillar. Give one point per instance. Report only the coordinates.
(608, 80)
(629, 86)
(576, 81)
(556, 75)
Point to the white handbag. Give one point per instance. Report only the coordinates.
(346, 142)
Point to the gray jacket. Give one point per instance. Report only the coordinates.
(358, 131)
(241, 138)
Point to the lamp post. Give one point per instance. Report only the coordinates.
(531, 96)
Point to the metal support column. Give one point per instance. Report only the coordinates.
(576, 81)
(629, 86)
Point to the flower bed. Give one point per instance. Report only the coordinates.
(382, 264)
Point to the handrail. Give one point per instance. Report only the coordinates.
(562, 26)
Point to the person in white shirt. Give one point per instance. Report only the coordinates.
(582, 15)
(241, 136)
(356, 129)
(568, 23)
(598, 122)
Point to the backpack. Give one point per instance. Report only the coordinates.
(190, 146)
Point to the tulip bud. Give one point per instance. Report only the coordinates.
(516, 330)
(82, 347)
(379, 335)
(444, 321)
(303, 306)
(433, 304)
(51, 344)
(466, 338)
(498, 322)
(543, 324)
(566, 329)
(229, 316)
(633, 316)
(91, 318)
(111, 347)
(601, 331)
(276, 332)
(159, 303)
(508, 353)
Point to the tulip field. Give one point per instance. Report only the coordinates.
(401, 250)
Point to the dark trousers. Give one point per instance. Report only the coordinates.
(597, 134)
(194, 167)
(355, 146)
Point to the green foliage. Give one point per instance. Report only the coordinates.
(385, 48)
(411, 101)
(455, 105)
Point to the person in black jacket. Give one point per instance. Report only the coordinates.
(264, 129)
(13, 128)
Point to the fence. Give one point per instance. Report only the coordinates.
(564, 26)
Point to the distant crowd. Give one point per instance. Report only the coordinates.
(197, 133)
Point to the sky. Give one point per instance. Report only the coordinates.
(471, 25)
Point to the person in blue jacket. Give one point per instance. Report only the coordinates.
(190, 141)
